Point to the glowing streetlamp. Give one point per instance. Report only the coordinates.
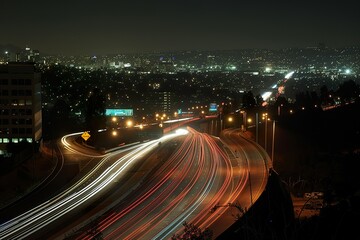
(129, 123)
(243, 126)
(273, 143)
(266, 119)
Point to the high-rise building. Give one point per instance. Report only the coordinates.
(160, 102)
(20, 103)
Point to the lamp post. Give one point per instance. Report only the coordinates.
(265, 118)
(273, 143)
(230, 120)
(221, 122)
(257, 127)
(243, 125)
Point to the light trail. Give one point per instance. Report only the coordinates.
(198, 176)
(46, 213)
(266, 95)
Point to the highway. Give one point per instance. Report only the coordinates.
(194, 179)
(201, 172)
(85, 190)
(257, 160)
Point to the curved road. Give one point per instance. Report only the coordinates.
(198, 183)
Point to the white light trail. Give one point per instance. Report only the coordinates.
(42, 215)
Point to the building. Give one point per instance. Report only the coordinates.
(160, 102)
(20, 103)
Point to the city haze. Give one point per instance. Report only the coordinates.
(93, 28)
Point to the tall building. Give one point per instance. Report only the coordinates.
(160, 102)
(20, 103)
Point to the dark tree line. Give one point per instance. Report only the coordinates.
(347, 92)
(95, 118)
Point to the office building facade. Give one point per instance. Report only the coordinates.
(20, 103)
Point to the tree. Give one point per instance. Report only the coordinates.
(325, 96)
(281, 101)
(307, 100)
(259, 100)
(248, 100)
(348, 91)
(193, 232)
(95, 112)
(59, 119)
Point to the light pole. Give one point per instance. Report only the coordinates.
(257, 127)
(230, 120)
(221, 121)
(273, 143)
(265, 118)
(243, 125)
(266, 132)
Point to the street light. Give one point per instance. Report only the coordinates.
(243, 126)
(257, 127)
(273, 143)
(265, 118)
(129, 123)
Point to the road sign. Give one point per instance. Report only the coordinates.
(119, 112)
(85, 136)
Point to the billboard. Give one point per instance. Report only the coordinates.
(213, 107)
(118, 112)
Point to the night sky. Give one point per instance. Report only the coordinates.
(73, 27)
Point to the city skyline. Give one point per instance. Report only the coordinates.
(87, 27)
